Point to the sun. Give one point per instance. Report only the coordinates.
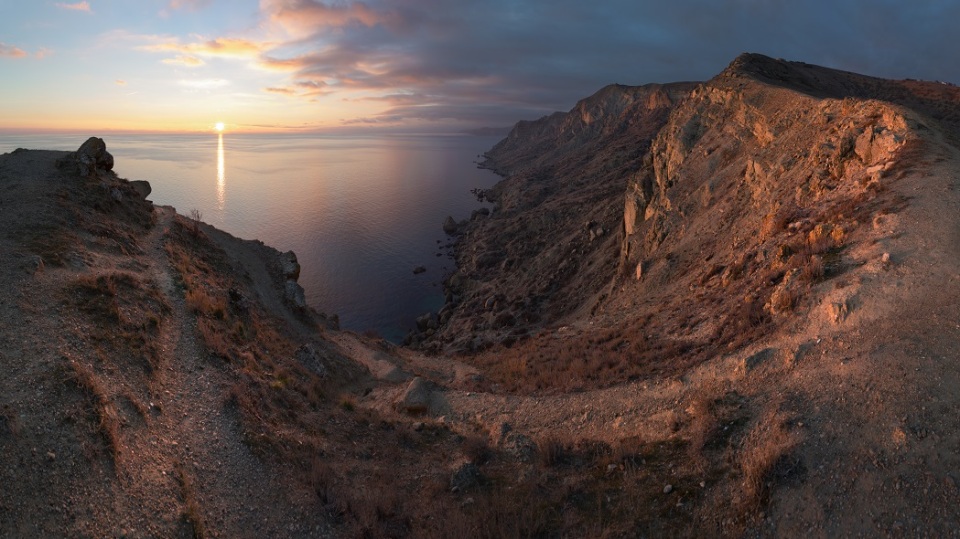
(219, 127)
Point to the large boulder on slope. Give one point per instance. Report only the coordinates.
(92, 156)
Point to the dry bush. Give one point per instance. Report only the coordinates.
(814, 270)
(191, 506)
(50, 242)
(763, 450)
(196, 217)
(107, 421)
(477, 449)
(202, 302)
(553, 452)
(322, 479)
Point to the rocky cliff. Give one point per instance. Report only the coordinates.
(782, 257)
(550, 244)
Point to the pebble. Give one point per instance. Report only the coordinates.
(668, 489)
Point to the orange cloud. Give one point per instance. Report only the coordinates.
(120, 82)
(305, 17)
(9, 51)
(77, 6)
(184, 60)
(281, 90)
(221, 47)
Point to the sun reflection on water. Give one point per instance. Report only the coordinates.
(221, 175)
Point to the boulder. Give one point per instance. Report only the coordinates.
(519, 446)
(289, 266)
(416, 398)
(311, 359)
(293, 293)
(142, 188)
(466, 476)
(89, 158)
(450, 227)
(427, 321)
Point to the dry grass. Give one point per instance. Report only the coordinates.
(123, 315)
(191, 506)
(764, 453)
(106, 419)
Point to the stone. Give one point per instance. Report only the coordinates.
(142, 188)
(450, 227)
(667, 489)
(289, 265)
(92, 156)
(499, 432)
(416, 397)
(753, 361)
(466, 476)
(418, 270)
(885, 261)
(311, 359)
(238, 301)
(293, 293)
(519, 447)
(639, 273)
(427, 321)
(838, 311)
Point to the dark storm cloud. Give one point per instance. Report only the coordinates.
(498, 61)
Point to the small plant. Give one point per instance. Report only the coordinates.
(348, 403)
(196, 217)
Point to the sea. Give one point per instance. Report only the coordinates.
(360, 212)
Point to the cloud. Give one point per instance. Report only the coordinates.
(500, 61)
(191, 5)
(120, 82)
(307, 17)
(42, 53)
(203, 84)
(284, 90)
(219, 47)
(184, 60)
(9, 51)
(76, 6)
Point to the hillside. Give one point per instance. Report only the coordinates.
(551, 245)
(719, 309)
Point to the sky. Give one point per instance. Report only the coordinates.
(415, 65)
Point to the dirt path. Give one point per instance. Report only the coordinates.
(192, 443)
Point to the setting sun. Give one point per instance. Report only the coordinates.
(219, 127)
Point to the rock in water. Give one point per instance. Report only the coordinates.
(450, 226)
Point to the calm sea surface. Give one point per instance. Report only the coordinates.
(360, 212)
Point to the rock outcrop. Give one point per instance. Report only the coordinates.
(91, 157)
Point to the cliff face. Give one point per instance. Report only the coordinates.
(593, 124)
(550, 244)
